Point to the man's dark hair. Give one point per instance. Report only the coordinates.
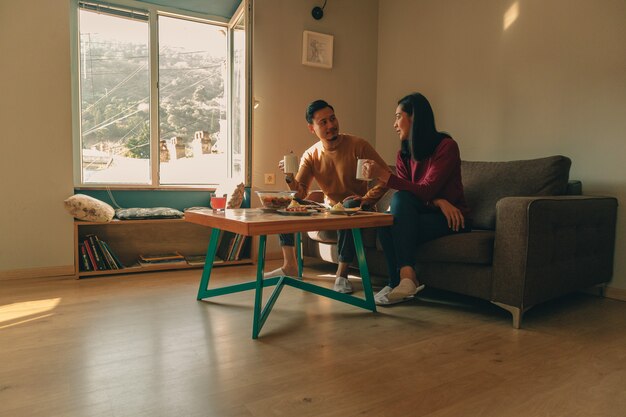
(424, 137)
(313, 107)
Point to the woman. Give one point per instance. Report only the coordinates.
(429, 203)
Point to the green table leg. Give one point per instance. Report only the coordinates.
(261, 313)
(365, 273)
(208, 264)
(258, 293)
(205, 292)
(299, 254)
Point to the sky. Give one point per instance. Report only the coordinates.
(192, 36)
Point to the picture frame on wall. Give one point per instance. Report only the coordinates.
(317, 49)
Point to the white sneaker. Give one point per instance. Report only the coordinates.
(343, 285)
(381, 299)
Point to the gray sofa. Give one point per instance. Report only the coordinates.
(535, 237)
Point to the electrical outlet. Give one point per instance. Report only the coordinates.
(270, 179)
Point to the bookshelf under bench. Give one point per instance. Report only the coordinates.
(128, 239)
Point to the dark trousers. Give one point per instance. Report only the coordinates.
(413, 224)
(345, 240)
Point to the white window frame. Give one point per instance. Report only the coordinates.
(154, 11)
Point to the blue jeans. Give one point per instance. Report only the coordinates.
(345, 240)
(413, 224)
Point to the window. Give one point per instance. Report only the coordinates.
(163, 97)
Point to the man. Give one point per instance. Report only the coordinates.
(332, 163)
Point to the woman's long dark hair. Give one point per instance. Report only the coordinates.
(423, 138)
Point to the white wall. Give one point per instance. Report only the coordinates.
(36, 144)
(554, 82)
(284, 86)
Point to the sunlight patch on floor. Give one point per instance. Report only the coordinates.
(28, 309)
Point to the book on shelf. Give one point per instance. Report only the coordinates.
(199, 260)
(163, 262)
(241, 249)
(93, 254)
(225, 244)
(97, 255)
(108, 259)
(114, 257)
(85, 263)
(233, 247)
(103, 263)
(161, 257)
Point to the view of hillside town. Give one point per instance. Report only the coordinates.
(115, 100)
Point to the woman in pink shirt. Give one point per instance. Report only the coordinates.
(429, 203)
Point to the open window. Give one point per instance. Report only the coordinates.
(163, 97)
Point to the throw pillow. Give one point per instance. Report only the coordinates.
(138, 213)
(84, 207)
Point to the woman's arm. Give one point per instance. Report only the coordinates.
(443, 164)
(453, 215)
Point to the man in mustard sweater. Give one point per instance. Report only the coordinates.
(332, 163)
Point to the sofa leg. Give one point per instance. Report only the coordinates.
(516, 312)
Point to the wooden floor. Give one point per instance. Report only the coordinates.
(141, 345)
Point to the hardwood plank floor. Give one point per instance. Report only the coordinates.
(141, 345)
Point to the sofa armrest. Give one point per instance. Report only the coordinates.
(548, 246)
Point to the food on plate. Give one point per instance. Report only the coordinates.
(297, 207)
(338, 207)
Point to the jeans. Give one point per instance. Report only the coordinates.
(345, 240)
(413, 224)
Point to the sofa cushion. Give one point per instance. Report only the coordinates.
(485, 183)
(323, 236)
(470, 248)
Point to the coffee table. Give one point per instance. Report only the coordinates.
(255, 222)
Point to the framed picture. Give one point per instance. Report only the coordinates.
(317, 49)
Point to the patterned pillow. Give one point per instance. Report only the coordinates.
(148, 213)
(84, 207)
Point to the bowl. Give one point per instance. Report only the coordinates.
(275, 200)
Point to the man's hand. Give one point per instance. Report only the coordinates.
(288, 177)
(281, 165)
(453, 215)
(359, 201)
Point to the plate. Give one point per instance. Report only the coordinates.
(346, 211)
(296, 213)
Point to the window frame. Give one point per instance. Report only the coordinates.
(154, 11)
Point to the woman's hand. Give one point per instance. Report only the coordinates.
(371, 169)
(453, 215)
(357, 201)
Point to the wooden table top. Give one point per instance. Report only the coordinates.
(252, 222)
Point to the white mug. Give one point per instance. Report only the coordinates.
(290, 164)
(359, 170)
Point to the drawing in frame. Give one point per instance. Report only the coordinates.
(317, 49)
